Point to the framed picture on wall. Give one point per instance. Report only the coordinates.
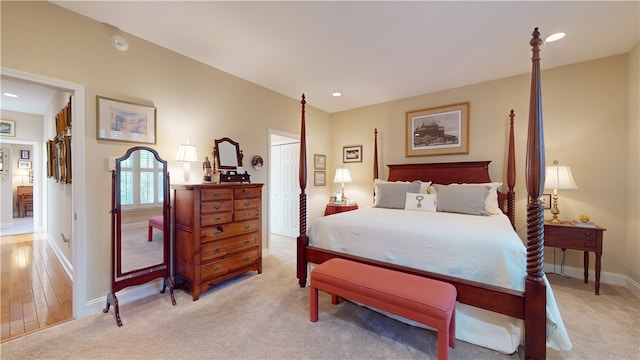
(352, 153)
(319, 162)
(125, 121)
(319, 178)
(441, 130)
(25, 154)
(7, 127)
(24, 164)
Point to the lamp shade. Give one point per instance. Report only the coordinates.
(343, 175)
(187, 153)
(559, 177)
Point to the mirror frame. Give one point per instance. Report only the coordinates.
(139, 276)
(216, 154)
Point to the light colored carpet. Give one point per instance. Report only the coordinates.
(267, 317)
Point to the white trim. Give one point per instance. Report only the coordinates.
(605, 277)
(78, 236)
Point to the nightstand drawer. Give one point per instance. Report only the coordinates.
(576, 233)
(578, 238)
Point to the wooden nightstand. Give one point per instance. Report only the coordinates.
(576, 237)
(337, 208)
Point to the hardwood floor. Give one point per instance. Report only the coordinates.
(35, 291)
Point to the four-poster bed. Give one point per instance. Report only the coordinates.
(529, 300)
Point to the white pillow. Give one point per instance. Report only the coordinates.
(420, 202)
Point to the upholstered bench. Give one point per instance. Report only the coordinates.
(429, 302)
(155, 222)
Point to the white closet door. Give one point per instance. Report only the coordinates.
(285, 189)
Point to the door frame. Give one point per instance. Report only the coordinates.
(271, 134)
(78, 203)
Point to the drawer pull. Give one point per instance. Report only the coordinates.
(586, 233)
(217, 218)
(217, 268)
(245, 191)
(247, 241)
(217, 193)
(247, 203)
(219, 230)
(217, 207)
(247, 258)
(247, 227)
(217, 250)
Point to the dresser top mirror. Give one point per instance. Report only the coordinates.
(227, 154)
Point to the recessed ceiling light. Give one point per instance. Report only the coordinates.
(336, 93)
(554, 37)
(10, 95)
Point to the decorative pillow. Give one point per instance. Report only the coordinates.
(424, 186)
(391, 195)
(420, 202)
(462, 199)
(491, 202)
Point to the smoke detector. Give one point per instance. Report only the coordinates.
(119, 43)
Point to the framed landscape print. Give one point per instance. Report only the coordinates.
(125, 121)
(7, 128)
(442, 130)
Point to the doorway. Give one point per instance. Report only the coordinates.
(74, 265)
(284, 185)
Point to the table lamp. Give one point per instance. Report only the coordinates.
(342, 176)
(187, 155)
(558, 177)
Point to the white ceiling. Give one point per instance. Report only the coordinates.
(372, 51)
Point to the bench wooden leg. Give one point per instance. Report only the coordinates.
(150, 233)
(313, 294)
(452, 331)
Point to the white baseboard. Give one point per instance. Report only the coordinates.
(66, 264)
(605, 277)
(127, 295)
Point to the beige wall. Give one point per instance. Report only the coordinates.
(586, 126)
(194, 102)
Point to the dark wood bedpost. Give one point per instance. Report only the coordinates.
(511, 173)
(535, 288)
(375, 158)
(303, 239)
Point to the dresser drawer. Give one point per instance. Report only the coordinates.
(249, 192)
(216, 194)
(216, 206)
(220, 248)
(216, 218)
(232, 263)
(228, 230)
(246, 215)
(244, 204)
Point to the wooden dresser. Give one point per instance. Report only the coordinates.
(218, 233)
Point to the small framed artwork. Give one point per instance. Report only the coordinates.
(31, 176)
(24, 164)
(545, 199)
(125, 121)
(7, 128)
(25, 154)
(319, 162)
(319, 178)
(442, 130)
(352, 153)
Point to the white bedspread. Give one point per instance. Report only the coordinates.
(480, 248)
